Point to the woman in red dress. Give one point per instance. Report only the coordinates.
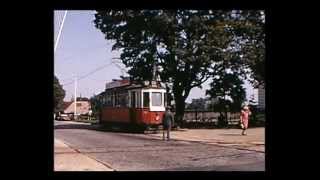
(244, 119)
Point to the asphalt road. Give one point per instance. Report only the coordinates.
(141, 152)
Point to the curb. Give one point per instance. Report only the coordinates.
(88, 156)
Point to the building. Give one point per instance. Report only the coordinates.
(261, 97)
(83, 106)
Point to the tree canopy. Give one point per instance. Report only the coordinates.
(58, 95)
(184, 45)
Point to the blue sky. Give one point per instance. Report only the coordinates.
(82, 49)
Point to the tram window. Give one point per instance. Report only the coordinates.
(112, 99)
(146, 99)
(156, 99)
(138, 99)
(133, 99)
(109, 100)
(125, 100)
(122, 99)
(116, 100)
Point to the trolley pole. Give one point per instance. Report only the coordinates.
(58, 38)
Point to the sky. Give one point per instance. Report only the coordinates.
(82, 49)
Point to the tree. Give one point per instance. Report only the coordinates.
(95, 105)
(227, 86)
(250, 33)
(182, 44)
(222, 107)
(198, 104)
(58, 95)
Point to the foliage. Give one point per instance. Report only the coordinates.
(58, 95)
(183, 44)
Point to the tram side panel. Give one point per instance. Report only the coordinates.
(115, 114)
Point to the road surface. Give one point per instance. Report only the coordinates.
(142, 152)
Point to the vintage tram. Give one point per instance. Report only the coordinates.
(132, 105)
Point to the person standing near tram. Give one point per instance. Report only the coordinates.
(90, 114)
(167, 122)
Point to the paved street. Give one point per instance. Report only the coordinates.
(254, 140)
(146, 152)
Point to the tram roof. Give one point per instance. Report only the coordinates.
(127, 85)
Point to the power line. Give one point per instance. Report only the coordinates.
(90, 73)
(123, 70)
(97, 69)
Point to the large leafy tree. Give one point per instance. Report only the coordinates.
(227, 86)
(58, 95)
(182, 44)
(250, 36)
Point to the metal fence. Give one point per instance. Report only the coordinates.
(209, 117)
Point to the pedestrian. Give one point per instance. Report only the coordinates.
(167, 122)
(244, 119)
(89, 114)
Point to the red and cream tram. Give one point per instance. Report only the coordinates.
(137, 105)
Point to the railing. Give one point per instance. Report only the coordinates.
(209, 117)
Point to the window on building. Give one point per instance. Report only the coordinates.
(146, 99)
(78, 104)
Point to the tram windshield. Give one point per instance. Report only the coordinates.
(156, 98)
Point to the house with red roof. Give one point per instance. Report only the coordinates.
(83, 106)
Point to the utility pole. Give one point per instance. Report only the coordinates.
(75, 95)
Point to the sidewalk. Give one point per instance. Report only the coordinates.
(67, 159)
(254, 140)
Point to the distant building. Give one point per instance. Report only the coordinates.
(261, 97)
(83, 106)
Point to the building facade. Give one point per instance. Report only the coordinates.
(83, 107)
